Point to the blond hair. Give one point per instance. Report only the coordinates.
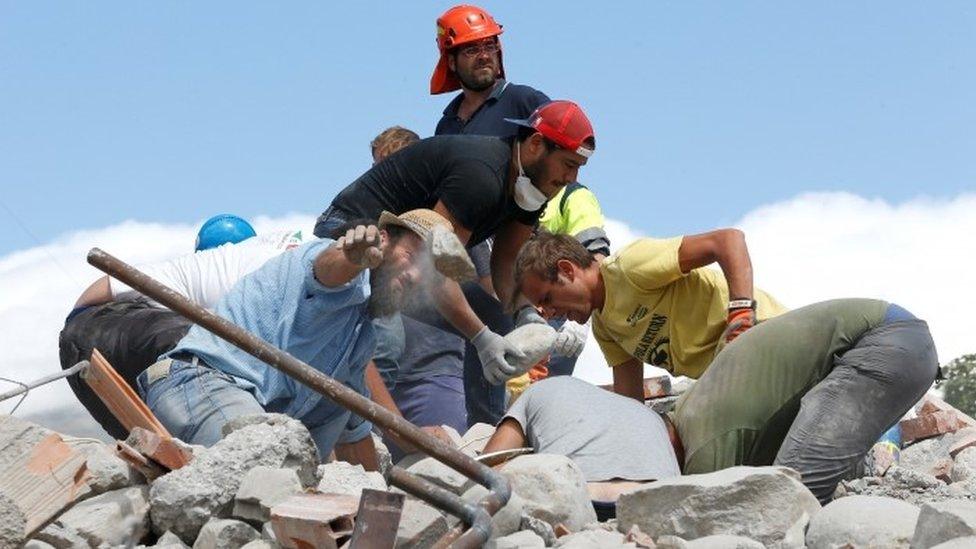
(390, 141)
(544, 250)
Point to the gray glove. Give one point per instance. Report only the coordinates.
(528, 315)
(570, 339)
(497, 356)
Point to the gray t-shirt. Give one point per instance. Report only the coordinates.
(607, 435)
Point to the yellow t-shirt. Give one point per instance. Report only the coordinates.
(657, 314)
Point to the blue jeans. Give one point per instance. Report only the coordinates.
(194, 401)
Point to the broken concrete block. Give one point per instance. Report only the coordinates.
(169, 539)
(722, 541)
(541, 528)
(225, 534)
(944, 521)
(420, 525)
(910, 479)
(383, 455)
(929, 425)
(340, 477)
(524, 539)
(636, 536)
(261, 489)
(552, 489)
(260, 544)
(942, 470)
(863, 521)
(450, 257)
(37, 544)
(60, 537)
(505, 521)
(589, 539)
(150, 470)
(116, 518)
(964, 466)
(168, 452)
(106, 470)
(441, 475)
(42, 475)
(767, 504)
(534, 340)
(671, 542)
(251, 420)
(314, 520)
(967, 542)
(476, 437)
(968, 440)
(185, 499)
(13, 524)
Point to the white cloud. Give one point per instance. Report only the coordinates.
(920, 254)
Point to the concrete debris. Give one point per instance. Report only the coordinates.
(60, 537)
(441, 475)
(671, 542)
(534, 340)
(340, 477)
(942, 470)
(524, 539)
(420, 525)
(450, 257)
(722, 541)
(383, 455)
(476, 437)
(964, 466)
(262, 488)
(767, 504)
(106, 470)
(37, 544)
(260, 544)
(930, 404)
(314, 520)
(540, 527)
(929, 425)
(169, 539)
(863, 521)
(13, 523)
(588, 539)
(150, 470)
(639, 538)
(185, 499)
(663, 405)
(507, 520)
(552, 488)
(117, 518)
(959, 543)
(225, 534)
(945, 521)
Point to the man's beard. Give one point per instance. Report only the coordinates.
(384, 300)
(480, 82)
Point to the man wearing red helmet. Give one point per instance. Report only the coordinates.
(471, 61)
(485, 187)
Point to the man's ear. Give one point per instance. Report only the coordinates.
(566, 268)
(384, 239)
(452, 63)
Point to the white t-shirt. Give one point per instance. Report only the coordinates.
(204, 277)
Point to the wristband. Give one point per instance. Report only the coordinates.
(742, 304)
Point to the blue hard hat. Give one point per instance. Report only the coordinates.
(221, 229)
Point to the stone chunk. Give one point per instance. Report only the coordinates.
(476, 437)
(639, 538)
(942, 470)
(552, 488)
(966, 441)
(120, 517)
(721, 541)
(534, 340)
(225, 534)
(106, 470)
(505, 521)
(929, 425)
(863, 521)
(37, 544)
(420, 525)
(524, 539)
(589, 539)
(170, 540)
(340, 477)
(60, 537)
(964, 467)
(944, 521)
(541, 528)
(967, 542)
(185, 499)
(314, 520)
(261, 489)
(259, 544)
(441, 475)
(767, 504)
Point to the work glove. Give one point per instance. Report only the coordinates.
(499, 358)
(570, 339)
(528, 315)
(363, 246)
(740, 319)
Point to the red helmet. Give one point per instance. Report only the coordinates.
(460, 25)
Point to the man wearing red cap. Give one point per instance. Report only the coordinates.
(485, 187)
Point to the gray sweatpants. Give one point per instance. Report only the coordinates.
(869, 389)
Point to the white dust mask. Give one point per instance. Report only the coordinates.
(527, 196)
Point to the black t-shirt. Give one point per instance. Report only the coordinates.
(466, 172)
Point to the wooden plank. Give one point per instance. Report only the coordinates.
(44, 480)
(119, 398)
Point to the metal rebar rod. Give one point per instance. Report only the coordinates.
(471, 514)
(24, 387)
(499, 489)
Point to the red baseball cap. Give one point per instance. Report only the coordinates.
(562, 122)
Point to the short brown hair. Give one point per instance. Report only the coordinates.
(390, 141)
(541, 253)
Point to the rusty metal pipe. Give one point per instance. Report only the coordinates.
(472, 514)
(498, 486)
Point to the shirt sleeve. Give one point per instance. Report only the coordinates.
(354, 292)
(173, 273)
(469, 190)
(651, 263)
(584, 220)
(532, 100)
(612, 351)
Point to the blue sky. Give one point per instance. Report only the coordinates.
(173, 111)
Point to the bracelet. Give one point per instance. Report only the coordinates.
(742, 304)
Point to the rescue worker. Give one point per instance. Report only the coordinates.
(651, 302)
(485, 187)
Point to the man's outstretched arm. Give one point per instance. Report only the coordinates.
(360, 248)
(628, 379)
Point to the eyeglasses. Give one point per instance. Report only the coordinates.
(490, 47)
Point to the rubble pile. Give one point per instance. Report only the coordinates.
(262, 486)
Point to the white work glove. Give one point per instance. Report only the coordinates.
(528, 315)
(570, 339)
(362, 246)
(499, 358)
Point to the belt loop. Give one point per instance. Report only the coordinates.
(159, 370)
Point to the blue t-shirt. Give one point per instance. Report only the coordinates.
(327, 328)
(506, 101)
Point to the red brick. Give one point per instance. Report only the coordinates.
(929, 425)
(561, 530)
(931, 404)
(165, 451)
(139, 462)
(314, 520)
